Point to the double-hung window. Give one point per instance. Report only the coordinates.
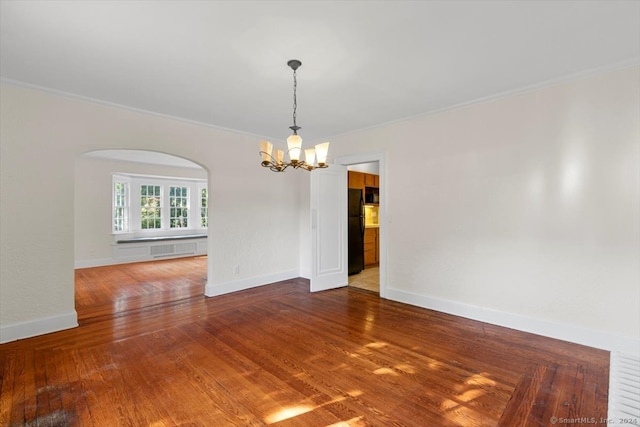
(204, 205)
(121, 203)
(150, 207)
(154, 205)
(179, 205)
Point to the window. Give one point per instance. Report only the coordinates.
(150, 207)
(204, 207)
(179, 204)
(120, 205)
(156, 205)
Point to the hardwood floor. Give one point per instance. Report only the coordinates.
(279, 355)
(121, 288)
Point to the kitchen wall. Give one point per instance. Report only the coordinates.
(254, 218)
(93, 236)
(520, 210)
(371, 214)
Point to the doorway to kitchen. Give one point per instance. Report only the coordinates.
(339, 245)
(364, 225)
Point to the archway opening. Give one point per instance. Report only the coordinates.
(140, 230)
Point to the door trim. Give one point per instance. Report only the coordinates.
(383, 218)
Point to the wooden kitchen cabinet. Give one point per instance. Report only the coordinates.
(370, 180)
(371, 247)
(360, 180)
(356, 180)
(366, 182)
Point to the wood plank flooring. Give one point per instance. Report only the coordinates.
(278, 355)
(121, 288)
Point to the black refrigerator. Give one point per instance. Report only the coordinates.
(356, 231)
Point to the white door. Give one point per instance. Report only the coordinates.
(329, 228)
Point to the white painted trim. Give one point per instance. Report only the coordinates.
(561, 331)
(215, 289)
(32, 328)
(101, 262)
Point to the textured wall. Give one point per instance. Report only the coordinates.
(254, 215)
(525, 205)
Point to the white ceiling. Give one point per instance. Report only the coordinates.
(223, 63)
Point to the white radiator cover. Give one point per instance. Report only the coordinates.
(169, 249)
(624, 390)
(148, 251)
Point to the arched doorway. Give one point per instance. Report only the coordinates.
(140, 233)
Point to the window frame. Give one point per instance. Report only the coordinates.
(134, 183)
(201, 208)
(126, 181)
(138, 210)
(174, 216)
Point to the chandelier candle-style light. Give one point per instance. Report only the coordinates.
(294, 143)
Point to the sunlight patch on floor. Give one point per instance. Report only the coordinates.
(480, 380)
(353, 422)
(470, 395)
(376, 345)
(385, 371)
(286, 413)
(457, 408)
(408, 369)
(296, 410)
(434, 364)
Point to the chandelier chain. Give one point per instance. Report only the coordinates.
(295, 99)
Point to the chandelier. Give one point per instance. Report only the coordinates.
(314, 157)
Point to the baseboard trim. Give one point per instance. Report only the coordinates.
(96, 263)
(32, 328)
(561, 331)
(103, 262)
(215, 289)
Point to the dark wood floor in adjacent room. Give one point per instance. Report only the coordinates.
(152, 351)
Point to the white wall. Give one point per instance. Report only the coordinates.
(251, 213)
(93, 203)
(521, 211)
